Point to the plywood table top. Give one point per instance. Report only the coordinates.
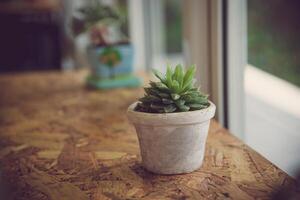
(60, 141)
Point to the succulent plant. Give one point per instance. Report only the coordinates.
(174, 92)
(94, 12)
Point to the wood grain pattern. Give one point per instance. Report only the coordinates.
(60, 140)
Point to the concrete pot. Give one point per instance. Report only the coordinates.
(172, 143)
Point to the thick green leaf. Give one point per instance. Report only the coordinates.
(178, 74)
(150, 98)
(180, 102)
(143, 105)
(198, 100)
(184, 108)
(189, 85)
(194, 94)
(189, 75)
(167, 101)
(160, 86)
(191, 93)
(152, 84)
(175, 86)
(157, 107)
(151, 91)
(147, 90)
(187, 97)
(170, 108)
(157, 84)
(169, 74)
(175, 96)
(164, 95)
(197, 106)
(159, 75)
(173, 93)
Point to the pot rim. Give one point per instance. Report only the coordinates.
(176, 118)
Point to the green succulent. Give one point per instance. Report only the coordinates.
(93, 12)
(175, 92)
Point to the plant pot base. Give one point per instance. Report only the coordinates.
(177, 172)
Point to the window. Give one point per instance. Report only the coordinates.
(272, 81)
(165, 19)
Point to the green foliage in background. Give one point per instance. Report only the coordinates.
(175, 92)
(94, 11)
(174, 27)
(273, 38)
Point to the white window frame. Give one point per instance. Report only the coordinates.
(236, 63)
(203, 43)
(218, 44)
(137, 32)
(151, 14)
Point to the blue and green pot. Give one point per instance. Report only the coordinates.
(112, 66)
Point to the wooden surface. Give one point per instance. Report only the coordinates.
(61, 141)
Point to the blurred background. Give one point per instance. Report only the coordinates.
(247, 54)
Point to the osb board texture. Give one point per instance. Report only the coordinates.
(62, 141)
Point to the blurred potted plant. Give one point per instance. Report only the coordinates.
(110, 53)
(172, 122)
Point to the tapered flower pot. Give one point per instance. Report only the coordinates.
(111, 61)
(112, 66)
(172, 143)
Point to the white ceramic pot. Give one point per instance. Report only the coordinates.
(172, 143)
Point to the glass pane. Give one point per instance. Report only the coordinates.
(272, 81)
(274, 42)
(166, 29)
(173, 23)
